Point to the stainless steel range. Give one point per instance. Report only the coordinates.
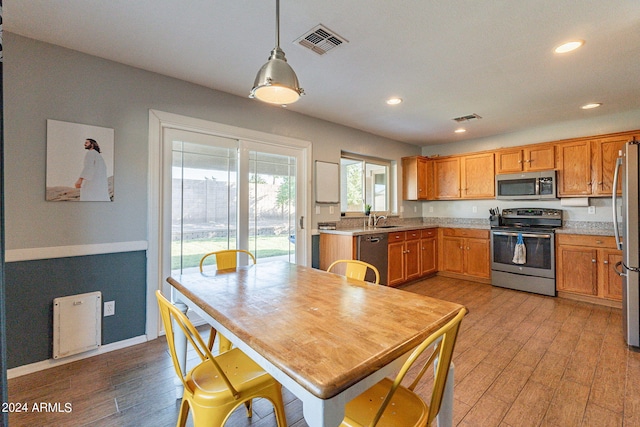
(523, 250)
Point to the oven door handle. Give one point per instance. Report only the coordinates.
(537, 236)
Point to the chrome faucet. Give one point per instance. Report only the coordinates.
(375, 220)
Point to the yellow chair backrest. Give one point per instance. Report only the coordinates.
(226, 259)
(356, 269)
(444, 339)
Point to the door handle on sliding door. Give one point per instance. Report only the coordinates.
(302, 223)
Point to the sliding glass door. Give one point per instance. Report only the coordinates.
(230, 194)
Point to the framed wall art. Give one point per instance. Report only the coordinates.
(79, 162)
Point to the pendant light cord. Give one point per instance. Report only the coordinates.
(277, 23)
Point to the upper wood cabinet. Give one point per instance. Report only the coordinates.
(574, 168)
(531, 158)
(604, 152)
(586, 165)
(417, 178)
(446, 177)
(477, 176)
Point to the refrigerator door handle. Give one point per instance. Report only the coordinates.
(618, 272)
(614, 196)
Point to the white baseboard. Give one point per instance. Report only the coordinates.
(50, 363)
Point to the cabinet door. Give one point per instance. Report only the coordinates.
(395, 263)
(539, 158)
(477, 173)
(428, 256)
(611, 281)
(477, 261)
(414, 178)
(574, 164)
(452, 254)
(605, 152)
(509, 161)
(577, 270)
(412, 259)
(446, 175)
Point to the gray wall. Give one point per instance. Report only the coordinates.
(41, 82)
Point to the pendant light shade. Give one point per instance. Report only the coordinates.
(276, 82)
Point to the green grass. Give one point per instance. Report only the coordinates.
(192, 251)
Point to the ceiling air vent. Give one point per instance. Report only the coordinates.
(320, 40)
(467, 118)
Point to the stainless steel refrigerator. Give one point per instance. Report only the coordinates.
(627, 238)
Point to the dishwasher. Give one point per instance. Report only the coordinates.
(372, 248)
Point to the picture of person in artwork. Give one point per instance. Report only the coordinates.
(93, 183)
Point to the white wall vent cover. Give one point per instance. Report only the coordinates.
(76, 324)
(320, 40)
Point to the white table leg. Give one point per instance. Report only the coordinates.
(445, 416)
(180, 341)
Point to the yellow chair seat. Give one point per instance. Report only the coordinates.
(405, 409)
(247, 378)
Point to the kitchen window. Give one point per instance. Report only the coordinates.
(364, 181)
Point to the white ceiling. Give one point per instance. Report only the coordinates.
(445, 58)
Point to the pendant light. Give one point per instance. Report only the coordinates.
(276, 82)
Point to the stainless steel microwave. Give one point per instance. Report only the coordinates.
(526, 186)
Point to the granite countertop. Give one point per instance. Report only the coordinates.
(373, 230)
(595, 228)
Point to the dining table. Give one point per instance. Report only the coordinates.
(324, 337)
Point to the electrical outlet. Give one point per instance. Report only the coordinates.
(331, 210)
(591, 210)
(474, 209)
(430, 209)
(109, 308)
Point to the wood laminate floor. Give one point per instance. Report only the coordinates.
(521, 360)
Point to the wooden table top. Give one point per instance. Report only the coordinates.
(323, 330)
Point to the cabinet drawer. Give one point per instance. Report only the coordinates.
(396, 236)
(466, 232)
(412, 234)
(586, 240)
(430, 232)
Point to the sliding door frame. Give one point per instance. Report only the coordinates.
(159, 209)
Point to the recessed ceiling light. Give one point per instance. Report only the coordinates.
(460, 130)
(394, 101)
(591, 105)
(569, 46)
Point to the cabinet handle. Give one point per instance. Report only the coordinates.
(599, 242)
(606, 262)
(593, 260)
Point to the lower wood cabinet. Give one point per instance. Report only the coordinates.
(404, 257)
(585, 266)
(465, 252)
(428, 251)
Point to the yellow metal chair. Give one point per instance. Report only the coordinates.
(216, 386)
(401, 406)
(356, 269)
(225, 259)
